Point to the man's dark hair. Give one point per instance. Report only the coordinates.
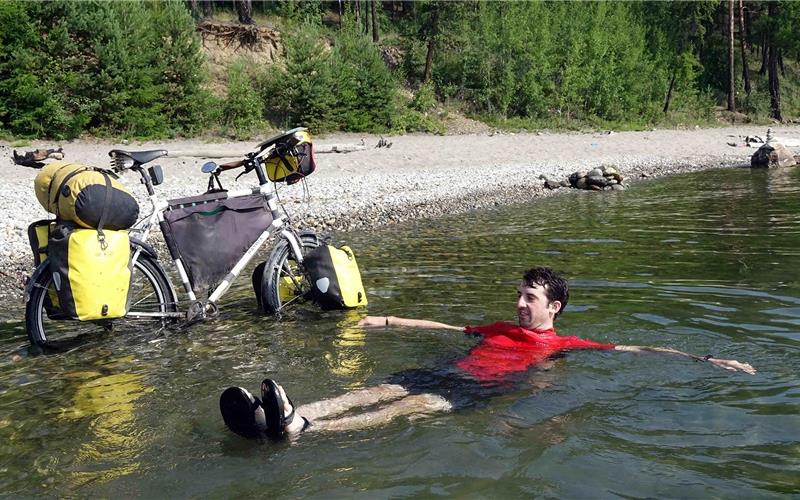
(555, 287)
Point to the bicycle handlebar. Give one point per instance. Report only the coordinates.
(230, 165)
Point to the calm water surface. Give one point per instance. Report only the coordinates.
(706, 263)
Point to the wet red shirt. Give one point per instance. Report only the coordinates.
(508, 348)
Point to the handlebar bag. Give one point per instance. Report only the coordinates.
(210, 233)
(91, 271)
(77, 193)
(38, 236)
(292, 159)
(335, 278)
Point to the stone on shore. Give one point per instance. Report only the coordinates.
(772, 154)
(597, 179)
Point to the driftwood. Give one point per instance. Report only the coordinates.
(219, 153)
(242, 35)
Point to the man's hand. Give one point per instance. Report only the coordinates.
(732, 365)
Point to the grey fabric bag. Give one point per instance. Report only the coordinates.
(211, 232)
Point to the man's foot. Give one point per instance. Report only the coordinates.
(279, 411)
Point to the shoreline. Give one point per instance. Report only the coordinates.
(418, 177)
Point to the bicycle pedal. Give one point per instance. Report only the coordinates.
(200, 310)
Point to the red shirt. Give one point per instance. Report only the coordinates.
(508, 348)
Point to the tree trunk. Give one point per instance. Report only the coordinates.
(780, 63)
(208, 8)
(426, 77)
(244, 8)
(742, 35)
(731, 60)
(195, 9)
(669, 92)
(772, 70)
(375, 34)
(341, 14)
(764, 54)
(366, 17)
(358, 13)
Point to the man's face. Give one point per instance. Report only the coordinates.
(534, 310)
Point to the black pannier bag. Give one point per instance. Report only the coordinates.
(211, 232)
(38, 236)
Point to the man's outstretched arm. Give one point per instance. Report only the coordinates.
(728, 364)
(370, 321)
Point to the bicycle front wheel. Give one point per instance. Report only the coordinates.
(150, 294)
(286, 281)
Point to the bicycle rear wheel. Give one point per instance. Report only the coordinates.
(150, 292)
(286, 281)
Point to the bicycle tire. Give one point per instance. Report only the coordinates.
(285, 280)
(147, 280)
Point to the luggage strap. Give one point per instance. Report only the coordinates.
(63, 183)
(101, 236)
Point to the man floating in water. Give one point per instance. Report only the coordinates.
(505, 352)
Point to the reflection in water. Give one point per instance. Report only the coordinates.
(347, 359)
(706, 263)
(106, 402)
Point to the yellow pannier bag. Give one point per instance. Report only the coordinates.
(292, 159)
(77, 193)
(91, 272)
(335, 278)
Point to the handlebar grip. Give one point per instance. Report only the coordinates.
(231, 165)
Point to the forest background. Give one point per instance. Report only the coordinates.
(142, 69)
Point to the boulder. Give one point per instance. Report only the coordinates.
(596, 172)
(772, 154)
(597, 180)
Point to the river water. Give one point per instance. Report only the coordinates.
(705, 263)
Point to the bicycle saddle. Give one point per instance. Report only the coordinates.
(140, 157)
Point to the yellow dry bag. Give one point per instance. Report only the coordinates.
(77, 193)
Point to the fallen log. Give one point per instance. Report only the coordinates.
(219, 153)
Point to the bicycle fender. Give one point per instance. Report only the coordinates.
(137, 244)
(311, 233)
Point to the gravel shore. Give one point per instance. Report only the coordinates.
(418, 176)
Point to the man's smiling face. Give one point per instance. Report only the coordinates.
(534, 310)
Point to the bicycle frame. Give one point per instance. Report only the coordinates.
(279, 224)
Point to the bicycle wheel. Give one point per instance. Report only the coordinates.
(286, 281)
(150, 292)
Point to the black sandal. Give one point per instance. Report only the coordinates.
(243, 413)
(273, 410)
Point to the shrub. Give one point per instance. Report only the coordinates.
(242, 108)
(121, 68)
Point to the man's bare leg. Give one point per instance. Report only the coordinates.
(362, 397)
(402, 404)
(416, 404)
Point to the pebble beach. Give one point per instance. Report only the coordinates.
(416, 176)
